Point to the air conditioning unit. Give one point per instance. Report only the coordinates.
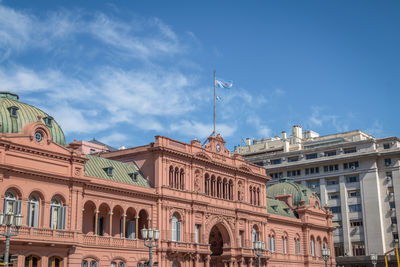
(353, 167)
(396, 240)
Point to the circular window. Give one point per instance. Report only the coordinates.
(38, 136)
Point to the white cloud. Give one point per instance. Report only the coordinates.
(201, 130)
(115, 139)
(319, 119)
(262, 129)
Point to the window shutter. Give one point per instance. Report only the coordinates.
(131, 229)
(5, 206)
(63, 217)
(30, 214)
(178, 231)
(273, 240)
(51, 217)
(173, 229)
(59, 218)
(196, 233)
(19, 207)
(36, 215)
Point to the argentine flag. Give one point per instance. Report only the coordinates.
(222, 84)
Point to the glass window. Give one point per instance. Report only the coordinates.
(354, 193)
(196, 233)
(350, 150)
(32, 261)
(55, 262)
(291, 159)
(33, 211)
(336, 209)
(312, 156)
(57, 214)
(175, 229)
(330, 153)
(355, 208)
(276, 161)
(352, 179)
(388, 162)
(392, 205)
(386, 146)
(332, 181)
(335, 195)
(254, 236)
(241, 238)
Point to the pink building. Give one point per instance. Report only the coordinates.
(210, 206)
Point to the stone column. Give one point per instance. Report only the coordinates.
(96, 221)
(207, 261)
(123, 225)
(111, 219)
(137, 227)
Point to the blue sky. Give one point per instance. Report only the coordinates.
(125, 71)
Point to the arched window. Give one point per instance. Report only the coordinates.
(176, 225)
(225, 190)
(171, 176)
(121, 264)
(181, 180)
(57, 214)
(312, 246)
(11, 204)
(219, 187)
(271, 243)
(32, 261)
(213, 186)
(175, 264)
(113, 264)
(284, 245)
(176, 181)
(255, 196)
(258, 196)
(297, 247)
(33, 211)
(254, 235)
(55, 262)
(317, 247)
(230, 190)
(251, 195)
(207, 184)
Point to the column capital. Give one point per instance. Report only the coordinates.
(123, 215)
(110, 213)
(97, 212)
(137, 217)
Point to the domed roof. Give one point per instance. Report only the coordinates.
(14, 115)
(287, 186)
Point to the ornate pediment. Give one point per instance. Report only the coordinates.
(202, 155)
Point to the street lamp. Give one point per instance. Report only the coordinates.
(326, 253)
(10, 220)
(374, 258)
(150, 235)
(259, 248)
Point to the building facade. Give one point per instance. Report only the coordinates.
(353, 173)
(88, 210)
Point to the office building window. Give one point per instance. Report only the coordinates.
(331, 168)
(392, 205)
(350, 165)
(334, 195)
(350, 150)
(336, 209)
(388, 162)
(313, 184)
(354, 193)
(352, 179)
(386, 146)
(330, 153)
(293, 173)
(312, 156)
(355, 208)
(358, 249)
(312, 170)
(276, 161)
(393, 220)
(292, 159)
(332, 181)
(276, 175)
(339, 249)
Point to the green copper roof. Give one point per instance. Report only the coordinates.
(121, 172)
(278, 207)
(287, 186)
(25, 114)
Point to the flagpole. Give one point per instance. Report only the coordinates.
(214, 104)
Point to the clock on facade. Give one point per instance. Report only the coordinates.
(218, 148)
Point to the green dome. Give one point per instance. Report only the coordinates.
(287, 186)
(14, 115)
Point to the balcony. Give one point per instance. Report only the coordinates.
(45, 235)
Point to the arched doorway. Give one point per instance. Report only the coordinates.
(219, 241)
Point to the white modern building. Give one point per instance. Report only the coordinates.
(355, 174)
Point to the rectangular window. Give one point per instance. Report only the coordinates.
(307, 171)
(335, 195)
(336, 209)
(358, 249)
(332, 181)
(355, 223)
(330, 153)
(241, 238)
(354, 193)
(313, 184)
(350, 150)
(355, 208)
(394, 220)
(292, 159)
(312, 156)
(196, 233)
(352, 179)
(388, 162)
(276, 161)
(289, 173)
(389, 175)
(392, 205)
(350, 165)
(386, 146)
